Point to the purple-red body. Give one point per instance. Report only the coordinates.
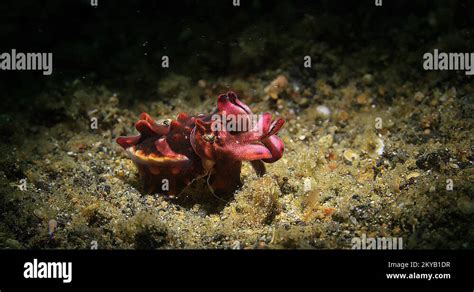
(190, 147)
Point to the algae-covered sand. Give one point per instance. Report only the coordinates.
(372, 148)
(340, 176)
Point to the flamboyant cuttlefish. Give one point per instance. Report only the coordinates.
(205, 146)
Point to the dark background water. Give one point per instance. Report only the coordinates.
(120, 43)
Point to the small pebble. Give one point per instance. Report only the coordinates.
(413, 175)
(202, 83)
(362, 99)
(353, 220)
(323, 111)
(326, 141)
(277, 86)
(307, 183)
(454, 166)
(419, 96)
(368, 79)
